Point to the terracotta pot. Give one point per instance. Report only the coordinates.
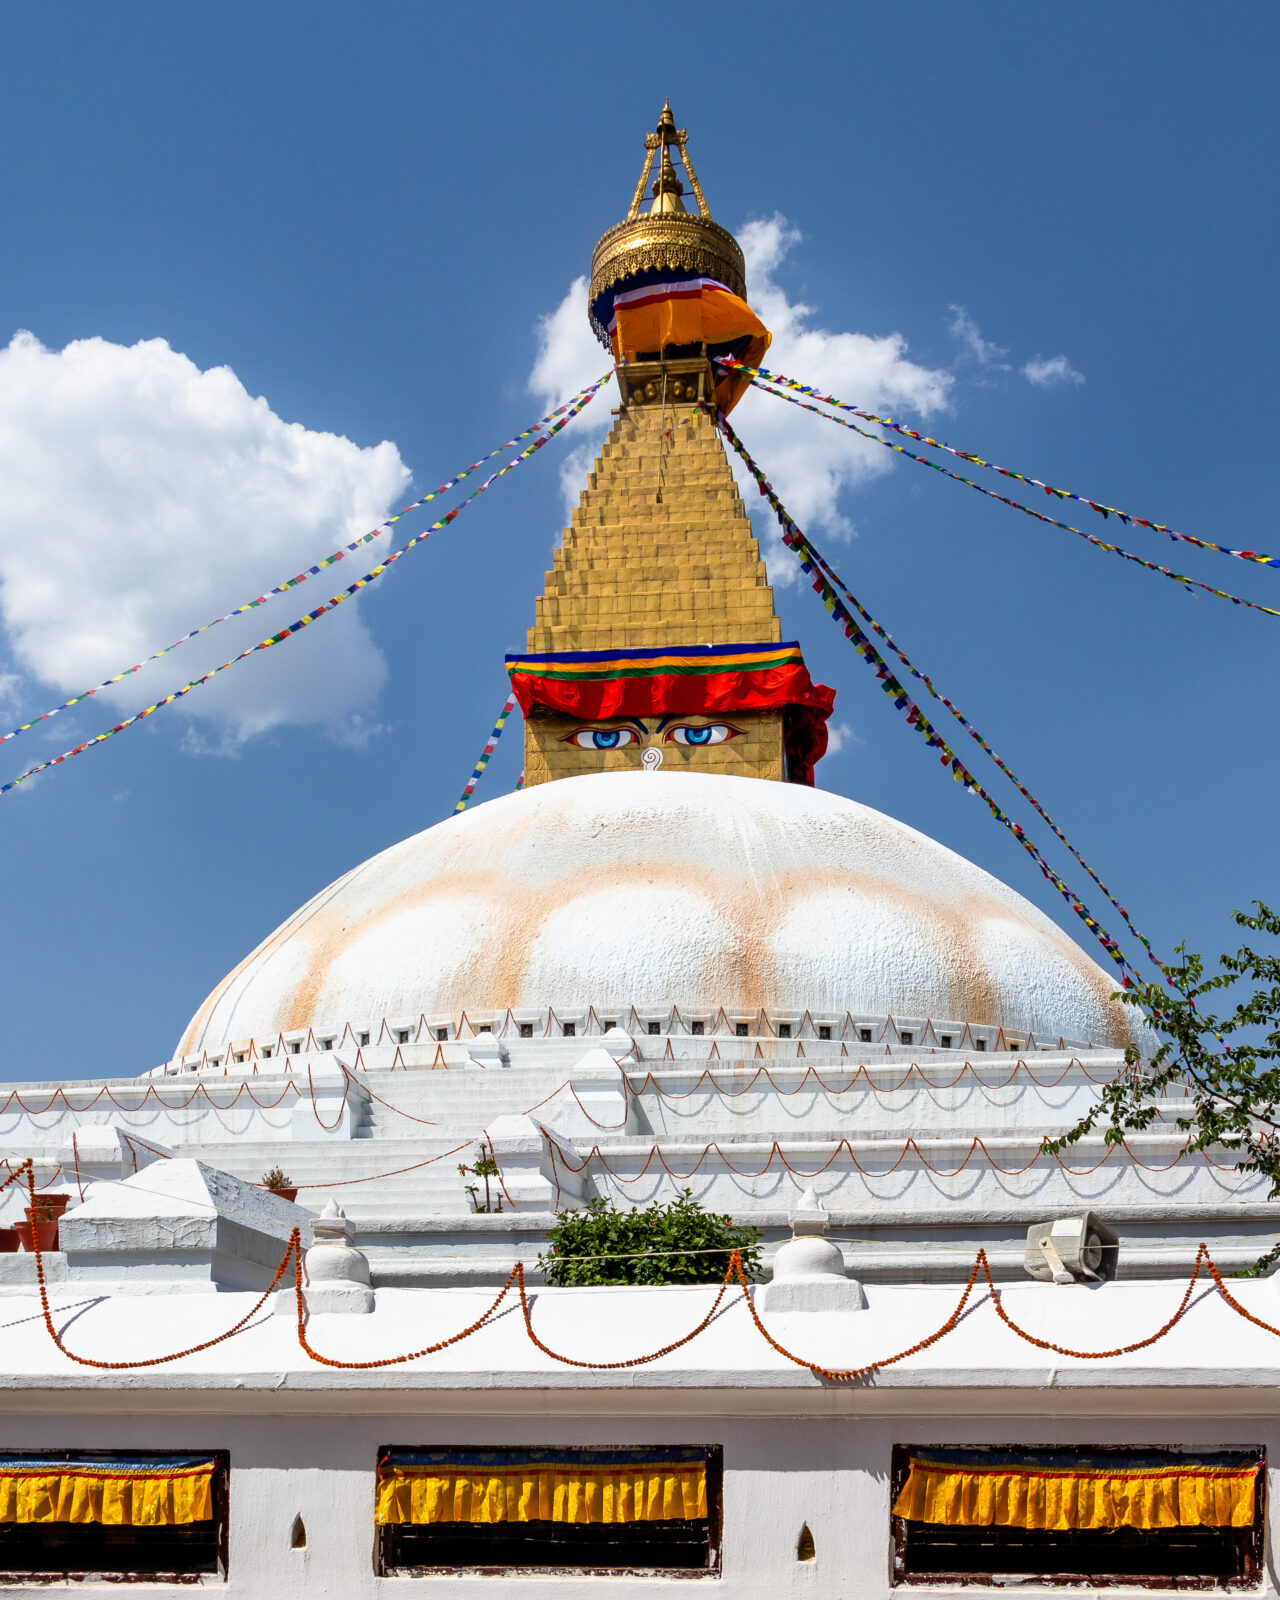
(8, 1240)
(285, 1194)
(53, 1204)
(43, 1233)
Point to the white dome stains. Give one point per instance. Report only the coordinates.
(664, 947)
(665, 889)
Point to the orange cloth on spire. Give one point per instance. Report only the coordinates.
(690, 311)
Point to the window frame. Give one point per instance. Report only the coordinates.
(384, 1569)
(901, 1578)
(220, 1485)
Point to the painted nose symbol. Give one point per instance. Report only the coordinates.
(652, 758)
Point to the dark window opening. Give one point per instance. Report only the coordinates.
(610, 1025)
(362, 1038)
(526, 1030)
(864, 1035)
(741, 1030)
(120, 1553)
(907, 1038)
(784, 1030)
(442, 1035)
(674, 1544)
(697, 1029)
(295, 1047)
(266, 1053)
(824, 1030)
(945, 1041)
(655, 1027)
(1165, 1558)
(979, 1044)
(570, 1030)
(402, 1035)
(298, 1534)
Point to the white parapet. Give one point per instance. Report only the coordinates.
(535, 1165)
(178, 1225)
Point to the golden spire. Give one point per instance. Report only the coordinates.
(666, 236)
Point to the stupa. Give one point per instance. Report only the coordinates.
(672, 961)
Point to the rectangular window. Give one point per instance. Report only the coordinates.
(136, 1518)
(402, 1035)
(979, 1044)
(648, 1508)
(784, 1030)
(945, 1041)
(654, 1027)
(362, 1038)
(824, 1030)
(864, 1035)
(907, 1038)
(526, 1030)
(741, 1030)
(570, 1030)
(1148, 1518)
(697, 1029)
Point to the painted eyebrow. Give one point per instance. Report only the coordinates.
(682, 716)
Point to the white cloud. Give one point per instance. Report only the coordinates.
(983, 351)
(144, 496)
(811, 463)
(840, 736)
(1055, 369)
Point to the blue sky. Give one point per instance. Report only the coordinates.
(366, 214)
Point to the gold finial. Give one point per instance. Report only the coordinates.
(666, 235)
(667, 190)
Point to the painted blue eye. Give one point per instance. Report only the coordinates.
(602, 738)
(693, 734)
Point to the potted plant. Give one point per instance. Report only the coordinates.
(278, 1182)
(8, 1240)
(40, 1230)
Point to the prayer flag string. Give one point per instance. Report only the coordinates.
(1152, 566)
(571, 410)
(491, 744)
(292, 583)
(817, 568)
(1126, 517)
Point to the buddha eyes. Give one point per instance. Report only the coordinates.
(687, 733)
(603, 738)
(711, 733)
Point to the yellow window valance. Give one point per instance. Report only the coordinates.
(128, 1494)
(958, 1490)
(542, 1492)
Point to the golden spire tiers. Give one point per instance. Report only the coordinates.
(666, 238)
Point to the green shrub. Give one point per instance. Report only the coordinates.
(675, 1243)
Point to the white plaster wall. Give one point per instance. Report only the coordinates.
(828, 1467)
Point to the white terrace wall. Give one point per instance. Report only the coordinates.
(820, 1458)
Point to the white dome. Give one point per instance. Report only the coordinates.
(660, 890)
